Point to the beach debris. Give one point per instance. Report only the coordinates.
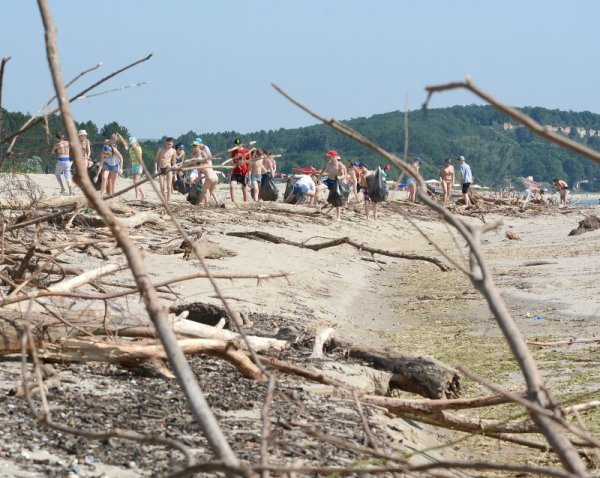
(512, 236)
(425, 376)
(589, 223)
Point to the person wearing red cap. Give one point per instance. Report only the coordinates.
(335, 170)
(240, 157)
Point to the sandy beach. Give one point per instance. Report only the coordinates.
(548, 279)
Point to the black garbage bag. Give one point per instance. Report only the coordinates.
(338, 194)
(92, 172)
(289, 187)
(268, 189)
(377, 186)
(179, 184)
(194, 194)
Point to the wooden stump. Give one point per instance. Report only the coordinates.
(424, 376)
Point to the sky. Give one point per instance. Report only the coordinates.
(214, 61)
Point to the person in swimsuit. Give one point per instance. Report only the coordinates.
(63, 163)
(447, 178)
(110, 166)
(211, 178)
(412, 182)
(353, 173)
(256, 170)
(165, 159)
(135, 155)
(335, 169)
(563, 190)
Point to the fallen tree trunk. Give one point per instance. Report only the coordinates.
(424, 376)
(134, 355)
(195, 329)
(265, 236)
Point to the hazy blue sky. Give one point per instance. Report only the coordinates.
(214, 61)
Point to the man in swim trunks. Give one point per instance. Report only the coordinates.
(240, 157)
(165, 159)
(256, 170)
(447, 178)
(563, 190)
(63, 162)
(335, 169)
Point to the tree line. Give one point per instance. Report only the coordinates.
(497, 155)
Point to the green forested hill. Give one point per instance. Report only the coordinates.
(496, 154)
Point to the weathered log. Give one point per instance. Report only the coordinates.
(424, 376)
(77, 202)
(135, 355)
(195, 329)
(129, 222)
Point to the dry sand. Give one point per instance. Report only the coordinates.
(408, 306)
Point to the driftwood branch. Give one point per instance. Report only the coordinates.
(265, 236)
(134, 355)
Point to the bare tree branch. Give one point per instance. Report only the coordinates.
(158, 314)
(5, 60)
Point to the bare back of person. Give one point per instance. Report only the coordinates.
(256, 165)
(268, 165)
(62, 149)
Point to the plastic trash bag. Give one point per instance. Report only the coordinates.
(268, 189)
(92, 171)
(377, 186)
(338, 194)
(289, 187)
(194, 194)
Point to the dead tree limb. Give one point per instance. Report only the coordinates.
(482, 279)
(158, 314)
(5, 60)
(265, 236)
(134, 355)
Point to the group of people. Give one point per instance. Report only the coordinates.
(249, 169)
(448, 176)
(354, 176)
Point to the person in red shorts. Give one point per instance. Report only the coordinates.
(240, 157)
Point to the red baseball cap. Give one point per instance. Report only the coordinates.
(332, 153)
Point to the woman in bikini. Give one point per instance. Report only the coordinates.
(212, 179)
(447, 179)
(412, 182)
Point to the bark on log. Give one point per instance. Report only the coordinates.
(424, 376)
(134, 355)
(195, 329)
